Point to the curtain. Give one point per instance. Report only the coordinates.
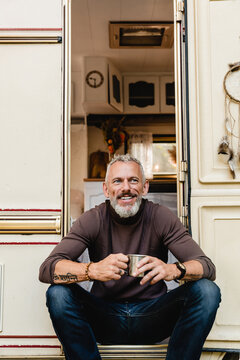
(140, 145)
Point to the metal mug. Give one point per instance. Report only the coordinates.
(132, 264)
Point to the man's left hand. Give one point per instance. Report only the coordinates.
(156, 270)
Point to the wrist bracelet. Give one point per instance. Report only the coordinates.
(86, 271)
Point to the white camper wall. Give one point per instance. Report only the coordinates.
(31, 144)
(213, 44)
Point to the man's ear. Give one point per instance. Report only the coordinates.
(105, 190)
(146, 187)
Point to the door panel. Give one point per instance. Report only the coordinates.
(31, 14)
(219, 224)
(30, 137)
(216, 32)
(213, 44)
(34, 113)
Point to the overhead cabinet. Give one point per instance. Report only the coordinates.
(102, 86)
(149, 94)
(107, 91)
(141, 94)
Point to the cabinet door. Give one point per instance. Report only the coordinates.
(115, 88)
(33, 138)
(167, 96)
(213, 44)
(141, 94)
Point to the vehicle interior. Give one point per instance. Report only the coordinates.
(122, 68)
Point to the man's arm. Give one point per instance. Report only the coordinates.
(158, 270)
(177, 239)
(110, 268)
(69, 249)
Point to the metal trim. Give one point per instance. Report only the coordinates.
(14, 39)
(30, 224)
(66, 115)
(133, 351)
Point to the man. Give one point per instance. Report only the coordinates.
(122, 309)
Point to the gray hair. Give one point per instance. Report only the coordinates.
(125, 158)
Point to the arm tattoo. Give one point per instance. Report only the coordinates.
(66, 278)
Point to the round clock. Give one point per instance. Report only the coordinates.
(94, 78)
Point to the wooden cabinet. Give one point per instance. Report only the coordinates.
(147, 93)
(167, 96)
(105, 90)
(93, 193)
(77, 94)
(141, 94)
(102, 86)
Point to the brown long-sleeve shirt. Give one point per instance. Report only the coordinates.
(152, 231)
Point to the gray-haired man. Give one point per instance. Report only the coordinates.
(124, 309)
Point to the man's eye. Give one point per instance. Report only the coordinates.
(116, 181)
(134, 181)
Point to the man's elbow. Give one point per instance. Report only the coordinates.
(210, 274)
(44, 275)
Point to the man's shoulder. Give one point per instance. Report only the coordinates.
(91, 220)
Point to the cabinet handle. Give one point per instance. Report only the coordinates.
(30, 224)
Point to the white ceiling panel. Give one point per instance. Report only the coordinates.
(90, 19)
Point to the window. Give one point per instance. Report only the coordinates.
(164, 155)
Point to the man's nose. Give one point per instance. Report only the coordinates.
(126, 185)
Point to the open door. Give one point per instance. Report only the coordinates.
(213, 45)
(34, 113)
(180, 112)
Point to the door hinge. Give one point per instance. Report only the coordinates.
(180, 10)
(184, 215)
(184, 211)
(183, 171)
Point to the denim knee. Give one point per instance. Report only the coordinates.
(58, 297)
(208, 293)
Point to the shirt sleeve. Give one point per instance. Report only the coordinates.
(82, 233)
(177, 239)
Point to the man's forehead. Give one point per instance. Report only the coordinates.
(120, 167)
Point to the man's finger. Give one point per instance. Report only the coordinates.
(150, 276)
(122, 265)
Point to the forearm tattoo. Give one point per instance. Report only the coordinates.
(65, 278)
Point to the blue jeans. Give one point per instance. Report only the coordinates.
(186, 314)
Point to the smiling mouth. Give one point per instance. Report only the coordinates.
(126, 196)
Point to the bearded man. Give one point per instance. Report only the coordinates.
(122, 309)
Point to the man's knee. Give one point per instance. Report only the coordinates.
(58, 297)
(208, 293)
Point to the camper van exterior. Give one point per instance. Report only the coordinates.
(35, 113)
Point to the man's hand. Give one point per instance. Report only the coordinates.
(157, 270)
(110, 268)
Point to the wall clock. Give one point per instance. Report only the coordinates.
(94, 78)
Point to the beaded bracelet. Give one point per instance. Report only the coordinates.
(86, 271)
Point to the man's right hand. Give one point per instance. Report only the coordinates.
(110, 268)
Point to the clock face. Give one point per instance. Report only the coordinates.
(94, 78)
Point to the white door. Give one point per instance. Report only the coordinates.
(34, 170)
(213, 44)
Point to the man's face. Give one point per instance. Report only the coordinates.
(125, 188)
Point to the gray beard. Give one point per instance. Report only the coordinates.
(125, 212)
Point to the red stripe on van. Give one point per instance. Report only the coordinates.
(28, 337)
(28, 243)
(31, 346)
